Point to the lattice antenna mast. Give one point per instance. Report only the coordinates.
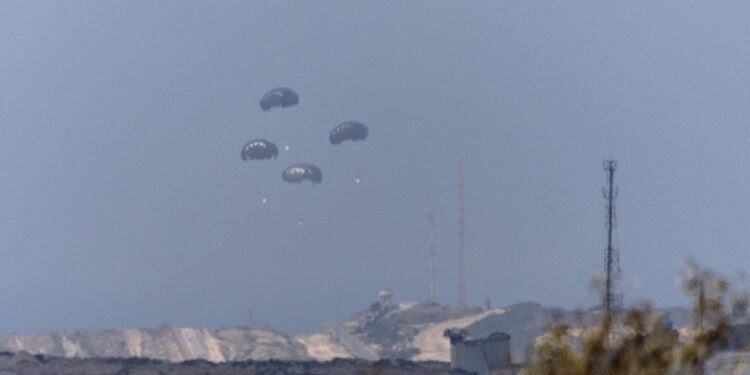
(612, 299)
(433, 294)
(461, 237)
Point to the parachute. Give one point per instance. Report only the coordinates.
(302, 171)
(258, 149)
(350, 130)
(279, 97)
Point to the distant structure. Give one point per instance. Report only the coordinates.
(480, 356)
(385, 298)
(433, 296)
(461, 237)
(731, 356)
(728, 363)
(612, 299)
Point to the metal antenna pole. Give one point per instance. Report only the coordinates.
(461, 237)
(612, 300)
(433, 295)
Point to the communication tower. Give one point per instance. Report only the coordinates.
(461, 237)
(433, 295)
(612, 299)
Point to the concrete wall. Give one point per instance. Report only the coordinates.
(497, 351)
(478, 356)
(469, 358)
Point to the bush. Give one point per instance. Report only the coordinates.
(639, 341)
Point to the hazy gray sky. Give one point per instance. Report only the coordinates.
(125, 202)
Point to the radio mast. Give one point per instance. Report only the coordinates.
(433, 295)
(612, 299)
(461, 237)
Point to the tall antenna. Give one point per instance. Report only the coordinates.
(612, 299)
(461, 212)
(431, 218)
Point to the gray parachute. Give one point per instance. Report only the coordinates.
(302, 171)
(349, 130)
(279, 97)
(259, 149)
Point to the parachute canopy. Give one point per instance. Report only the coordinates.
(258, 149)
(350, 130)
(279, 97)
(302, 171)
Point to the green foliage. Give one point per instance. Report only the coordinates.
(639, 341)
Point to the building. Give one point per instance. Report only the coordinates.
(728, 363)
(478, 355)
